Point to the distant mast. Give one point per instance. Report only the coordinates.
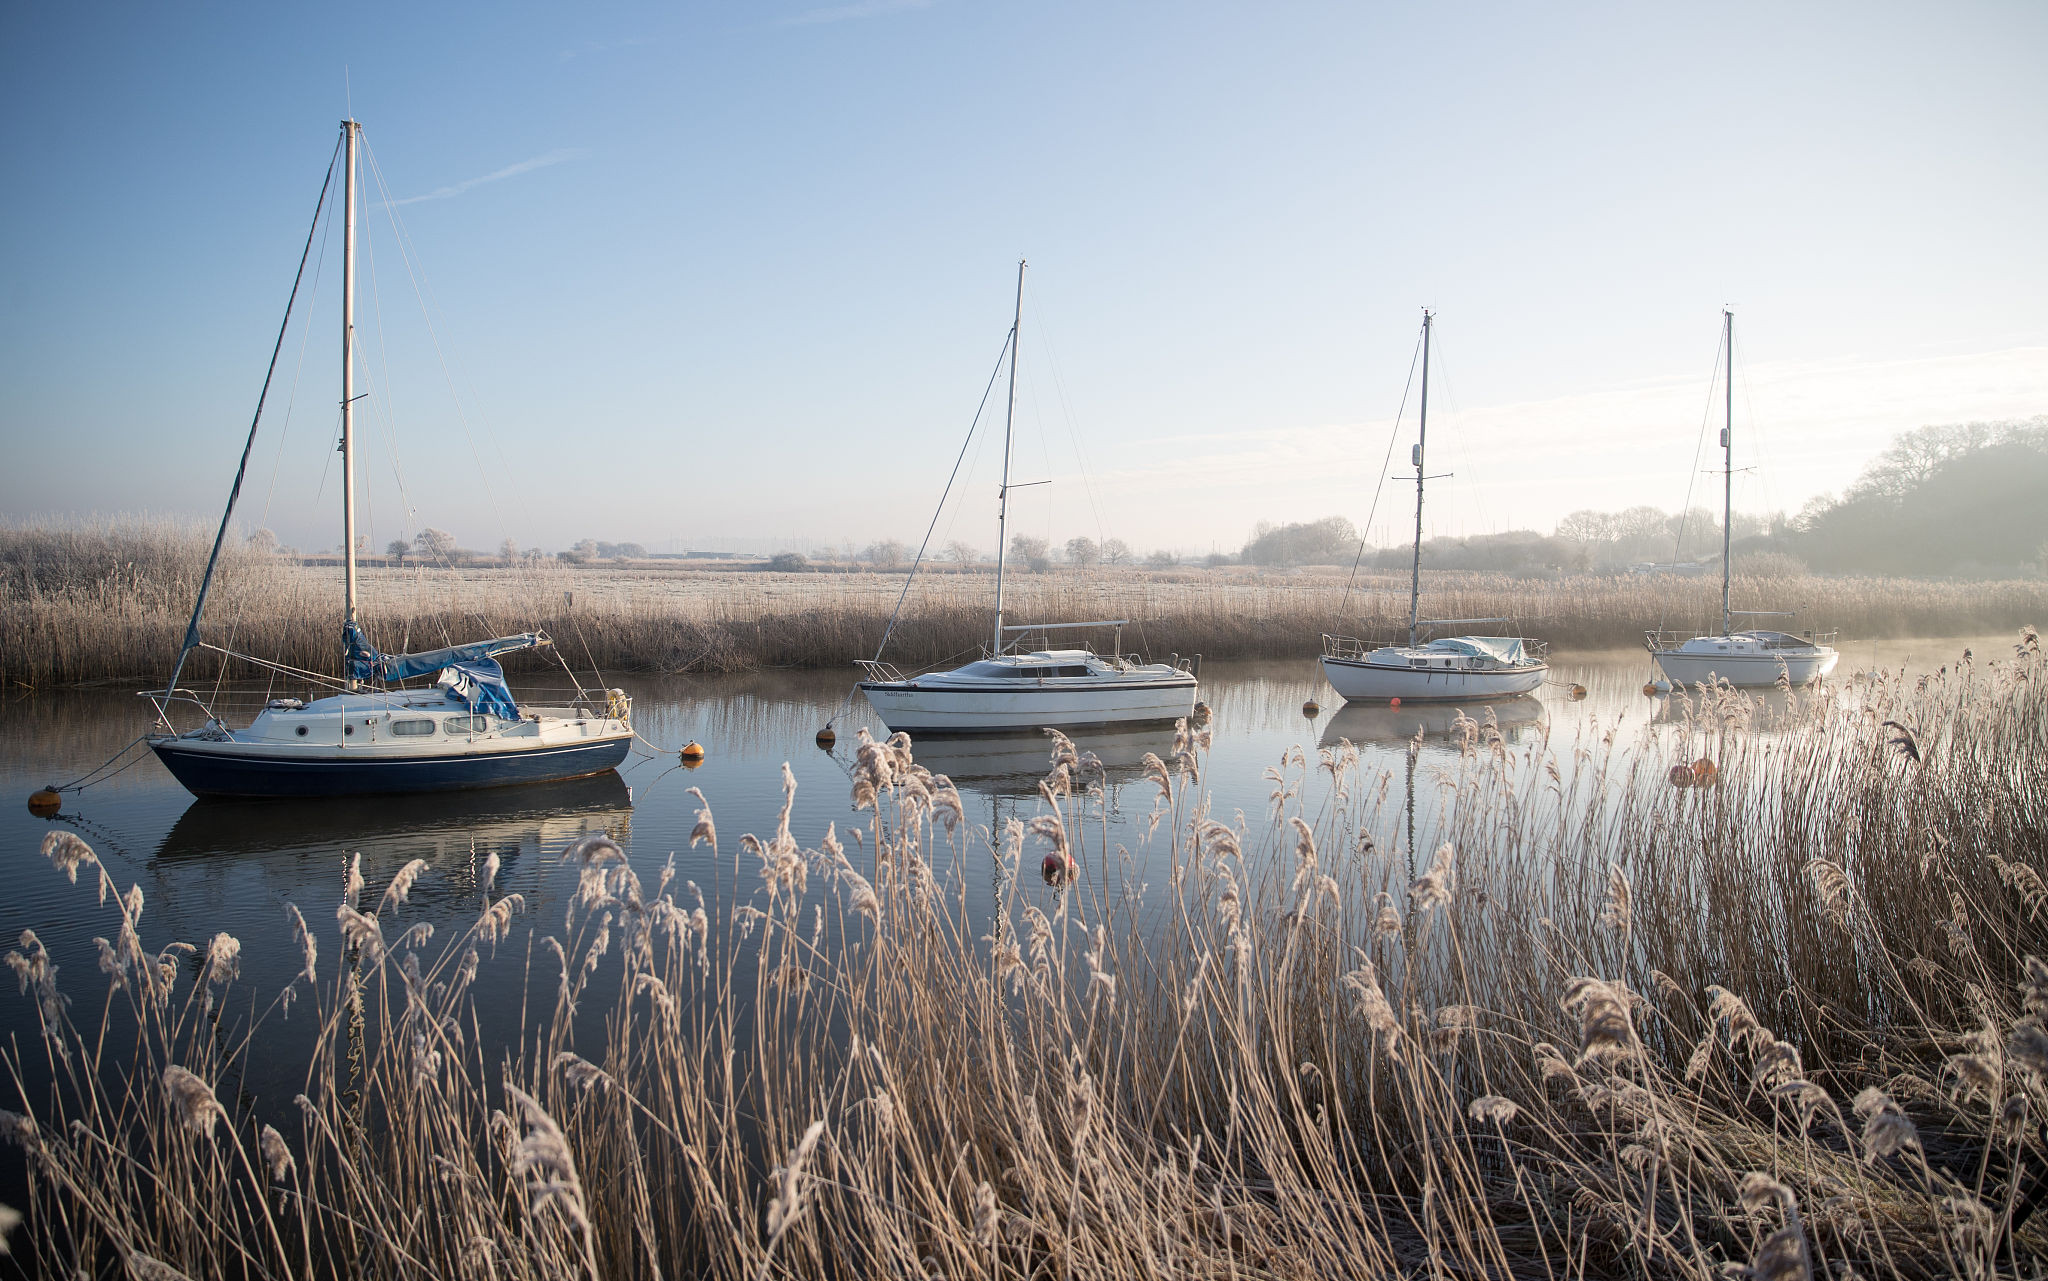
(1727, 466)
(1003, 494)
(349, 130)
(1421, 438)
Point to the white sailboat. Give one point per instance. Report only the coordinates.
(1447, 667)
(1750, 657)
(465, 730)
(1012, 689)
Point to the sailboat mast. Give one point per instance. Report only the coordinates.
(1421, 438)
(1003, 494)
(1727, 467)
(349, 131)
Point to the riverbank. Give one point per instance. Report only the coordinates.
(118, 613)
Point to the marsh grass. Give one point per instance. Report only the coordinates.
(109, 603)
(1790, 1021)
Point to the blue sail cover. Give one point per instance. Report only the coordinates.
(366, 663)
(480, 686)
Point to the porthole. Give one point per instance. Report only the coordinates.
(300, 731)
(348, 729)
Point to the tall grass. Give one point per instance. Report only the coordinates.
(1789, 1021)
(110, 603)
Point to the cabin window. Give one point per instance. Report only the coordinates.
(1031, 673)
(462, 724)
(1418, 662)
(302, 731)
(1080, 670)
(412, 729)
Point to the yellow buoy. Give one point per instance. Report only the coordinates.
(1576, 692)
(44, 801)
(692, 751)
(826, 737)
(1309, 708)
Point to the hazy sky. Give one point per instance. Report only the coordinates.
(739, 273)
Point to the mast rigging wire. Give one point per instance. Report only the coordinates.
(971, 429)
(1699, 446)
(1385, 463)
(241, 471)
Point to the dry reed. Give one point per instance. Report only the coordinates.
(87, 605)
(1789, 1023)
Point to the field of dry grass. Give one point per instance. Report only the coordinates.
(88, 605)
(1790, 1023)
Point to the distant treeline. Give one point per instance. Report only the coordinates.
(1956, 499)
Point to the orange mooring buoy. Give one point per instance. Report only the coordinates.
(1576, 692)
(826, 737)
(1681, 776)
(1705, 773)
(1310, 708)
(692, 751)
(44, 801)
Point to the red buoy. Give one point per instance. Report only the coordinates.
(1393, 702)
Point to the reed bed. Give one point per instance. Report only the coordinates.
(1785, 1019)
(91, 605)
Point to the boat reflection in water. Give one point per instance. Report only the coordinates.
(454, 831)
(1004, 771)
(1012, 764)
(1377, 723)
(1697, 707)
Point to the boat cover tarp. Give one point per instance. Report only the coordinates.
(1504, 649)
(480, 686)
(367, 663)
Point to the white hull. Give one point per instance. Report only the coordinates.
(916, 710)
(1359, 681)
(1748, 671)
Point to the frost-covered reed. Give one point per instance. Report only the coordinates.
(107, 603)
(1790, 1023)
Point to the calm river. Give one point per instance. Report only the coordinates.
(211, 866)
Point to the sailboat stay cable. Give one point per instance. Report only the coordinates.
(241, 471)
(921, 547)
(421, 292)
(1059, 387)
(1385, 463)
(1692, 478)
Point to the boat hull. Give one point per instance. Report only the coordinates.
(1745, 671)
(1359, 681)
(915, 709)
(216, 768)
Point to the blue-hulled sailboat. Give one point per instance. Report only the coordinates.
(374, 735)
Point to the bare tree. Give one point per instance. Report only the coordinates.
(508, 551)
(1083, 552)
(398, 550)
(1115, 551)
(436, 545)
(962, 553)
(1162, 559)
(886, 554)
(1034, 552)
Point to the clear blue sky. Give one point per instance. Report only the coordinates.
(739, 272)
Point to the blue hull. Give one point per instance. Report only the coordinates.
(214, 773)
